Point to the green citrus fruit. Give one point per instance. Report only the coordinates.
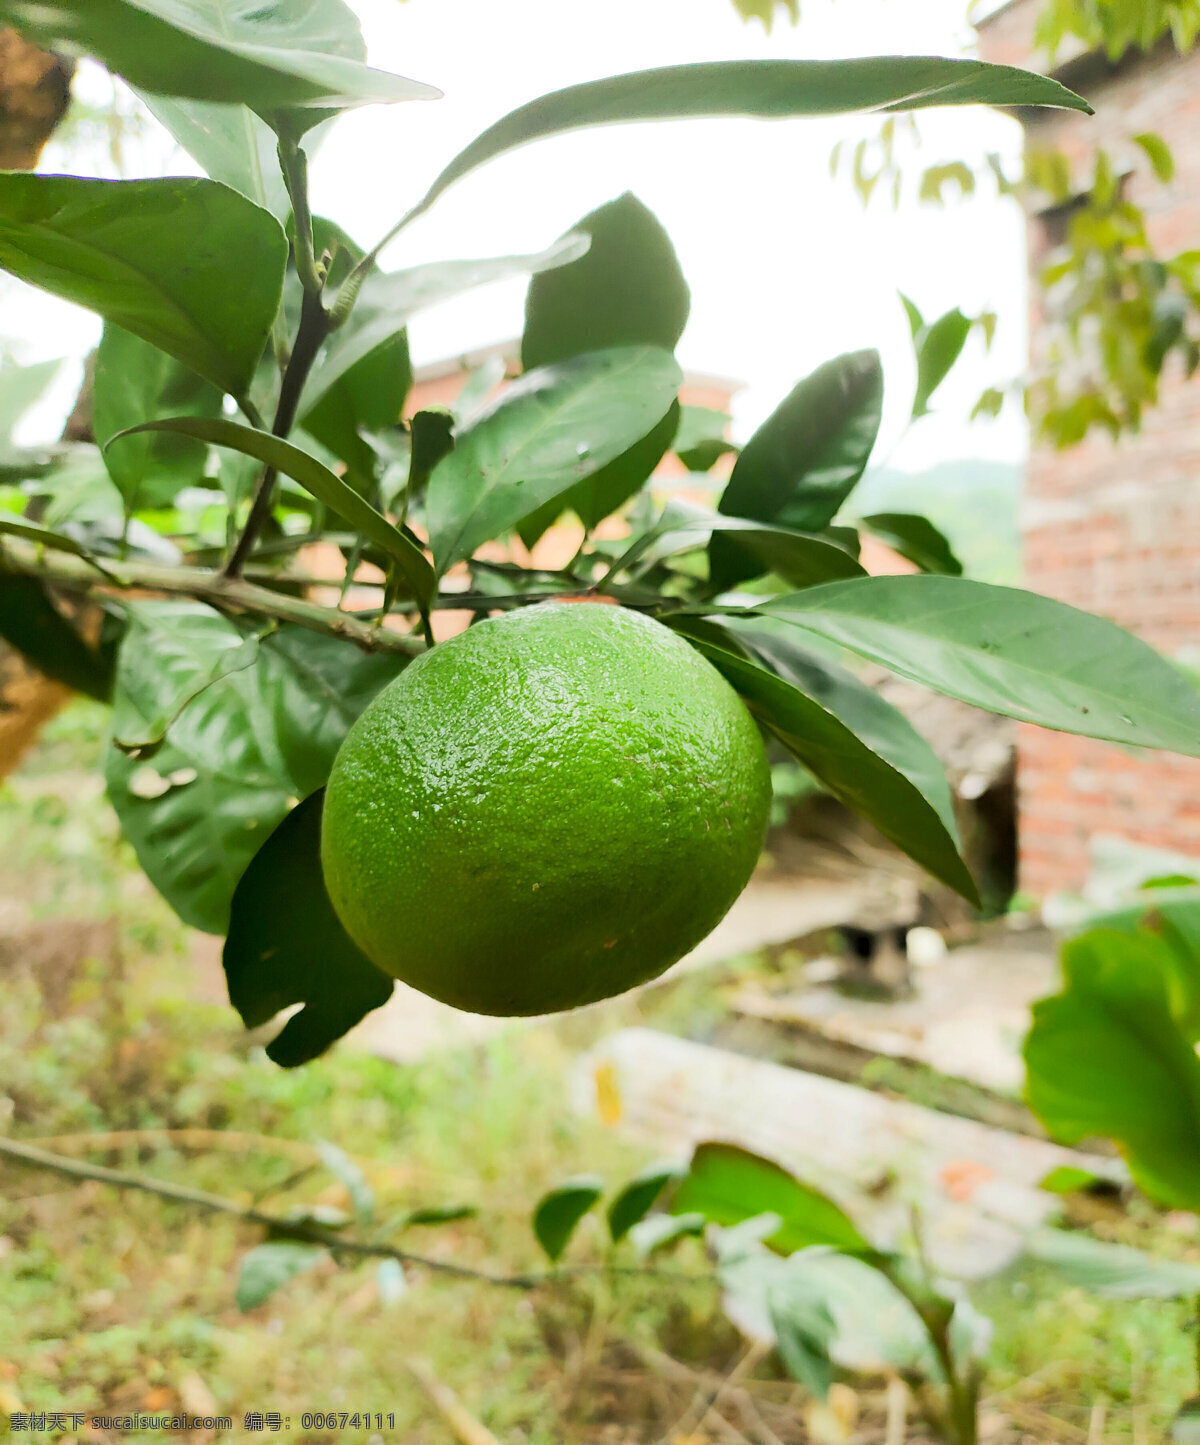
(544, 811)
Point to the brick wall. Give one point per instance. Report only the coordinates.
(1115, 527)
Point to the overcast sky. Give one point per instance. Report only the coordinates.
(786, 267)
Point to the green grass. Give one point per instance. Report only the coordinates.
(116, 1301)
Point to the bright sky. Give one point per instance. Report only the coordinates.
(786, 267)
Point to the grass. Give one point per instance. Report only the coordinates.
(114, 1302)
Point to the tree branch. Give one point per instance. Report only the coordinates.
(77, 574)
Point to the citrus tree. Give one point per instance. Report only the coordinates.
(248, 397)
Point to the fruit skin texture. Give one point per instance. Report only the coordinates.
(544, 811)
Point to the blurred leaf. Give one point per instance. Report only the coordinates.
(804, 1331)
(1172, 914)
(1008, 651)
(631, 1204)
(559, 1211)
(21, 388)
(316, 478)
(31, 623)
(336, 1160)
(286, 946)
(917, 539)
(268, 55)
(154, 257)
(700, 441)
(1113, 1270)
(764, 10)
(1185, 1427)
(390, 1281)
(1105, 1058)
(627, 290)
(1066, 1179)
(269, 1267)
(854, 768)
(369, 397)
(230, 144)
(802, 463)
(1159, 155)
(549, 430)
(137, 382)
(916, 322)
(440, 1214)
(389, 301)
(728, 1184)
(657, 1231)
(767, 88)
(938, 347)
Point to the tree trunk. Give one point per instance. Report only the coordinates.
(35, 89)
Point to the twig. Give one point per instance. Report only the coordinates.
(897, 1410)
(313, 329)
(76, 575)
(465, 1427)
(302, 1230)
(707, 1401)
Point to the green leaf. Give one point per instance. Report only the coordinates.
(224, 779)
(657, 1231)
(938, 346)
(369, 397)
(136, 382)
(1114, 1270)
(1067, 1179)
(1105, 1057)
(916, 538)
(627, 290)
(230, 144)
(269, 56)
(853, 768)
(806, 458)
(1159, 155)
(1172, 914)
(388, 301)
(766, 88)
(607, 490)
(1010, 652)
(700, 441)
(21, 388)
(872, 719)
(338, 1162)
(804, 1331)
(269, 1267)
(316, 478)
(188, 265)
(559, 1211)
(286, 946)
(916, 322)
(549, 430)
(728, 1184)
(31, 623)
(631, 1204)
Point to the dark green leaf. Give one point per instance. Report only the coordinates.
(855, 768)
(137, 382)
(727, 1185)
(286, 946)
(552, 428)
(316, 478)
(627, 290)
(559, 1211)
(268, 55)
(767, 88)
(369, 397)
(440, 1214)
(607, 490)
(803, 462)
(270, 1266)
(939, 346)
(188, 265)
(916, 538)
(244, 739)
(1105, 1058)
(1008, 651)
(631, 1204)
(872, 719)
(700, 440)
(230, 144)
(657, 1231)
(30, 622)
(1114, 1270)
(389, 300)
